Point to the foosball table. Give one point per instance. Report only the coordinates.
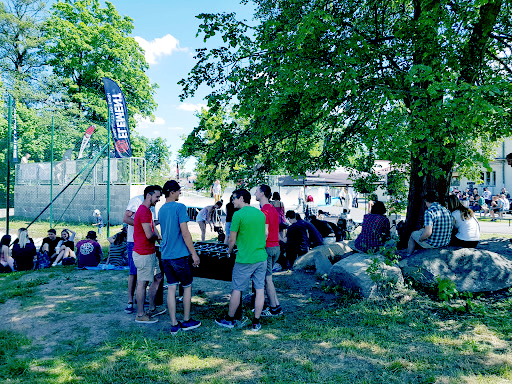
(216, 262)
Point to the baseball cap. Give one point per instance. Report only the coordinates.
(171, 186)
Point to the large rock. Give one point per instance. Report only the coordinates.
(351, 272)
(472, 270)
(320, 259)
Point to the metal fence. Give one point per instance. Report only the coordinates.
(129, 171)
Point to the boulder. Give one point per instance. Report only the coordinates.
(320, 259)
(472, 270)
(351, 272)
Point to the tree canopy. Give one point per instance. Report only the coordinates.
(52, 62)
(324, 83)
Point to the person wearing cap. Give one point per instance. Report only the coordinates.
(178, 255)
(98, 219)
(89, 251)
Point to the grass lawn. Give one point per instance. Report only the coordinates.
(67, 326)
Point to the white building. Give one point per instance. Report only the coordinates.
(500, 176)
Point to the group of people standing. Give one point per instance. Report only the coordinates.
(255, 233)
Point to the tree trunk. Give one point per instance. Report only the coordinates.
(422, 181)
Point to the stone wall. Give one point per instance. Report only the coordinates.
(30, 200)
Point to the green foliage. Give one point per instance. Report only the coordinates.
(88, 42)
(417, 83)
(446, 289)
(217, 131)
(53, 64)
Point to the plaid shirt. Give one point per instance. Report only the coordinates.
(441, 221)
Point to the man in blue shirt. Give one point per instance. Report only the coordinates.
(176, 248)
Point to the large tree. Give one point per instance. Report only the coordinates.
(89, 42)
(425, 84)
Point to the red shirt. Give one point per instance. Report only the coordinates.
(141, 243)
(272, 219)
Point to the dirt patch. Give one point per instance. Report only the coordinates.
(89, 306)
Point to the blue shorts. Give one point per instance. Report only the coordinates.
(129, 250)
(178, 271)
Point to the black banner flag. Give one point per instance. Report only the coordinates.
(118, 118)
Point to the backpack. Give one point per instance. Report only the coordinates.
(43, 261)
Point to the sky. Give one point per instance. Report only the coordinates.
(166, 30)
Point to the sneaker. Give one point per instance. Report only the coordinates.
(256, 327)
(225, 323)
(242, 322)
(145, 319)
(277, 268)
(179, 299)
(190, 324)
(265, 312)
(129, 308)
(155, 312)
(175, 328)
(276, 311)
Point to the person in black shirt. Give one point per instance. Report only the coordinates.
(230, 210)
(300, 237)
(322, 226)
(49, 244)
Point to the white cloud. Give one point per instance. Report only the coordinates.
(145, 124)
(161, 46)
(192, 107)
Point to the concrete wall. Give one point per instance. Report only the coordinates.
(30, 200)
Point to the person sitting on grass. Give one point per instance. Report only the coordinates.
(24, 251)
(89, 251)
(117, 254)
(374, 230)
(468, 229)
(6, 261)
(50, 243)
(65, 248)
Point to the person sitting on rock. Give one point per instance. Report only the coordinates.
(438, 225)
(89, 251)
(375, 229)
(468, 229)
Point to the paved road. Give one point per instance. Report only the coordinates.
(502, 227)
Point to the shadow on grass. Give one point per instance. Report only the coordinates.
(324, 338)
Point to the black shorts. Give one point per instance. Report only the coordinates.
(178, 271)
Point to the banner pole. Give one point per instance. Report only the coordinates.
(8, 183)
(108, 178)
(51, 177)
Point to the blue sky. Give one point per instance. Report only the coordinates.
(167, 29)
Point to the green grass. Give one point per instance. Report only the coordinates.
(327, 335)
(333, 338)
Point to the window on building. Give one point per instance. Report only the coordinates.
(455, 181)
(489, 178)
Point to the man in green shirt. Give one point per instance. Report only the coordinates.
(248, 231)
